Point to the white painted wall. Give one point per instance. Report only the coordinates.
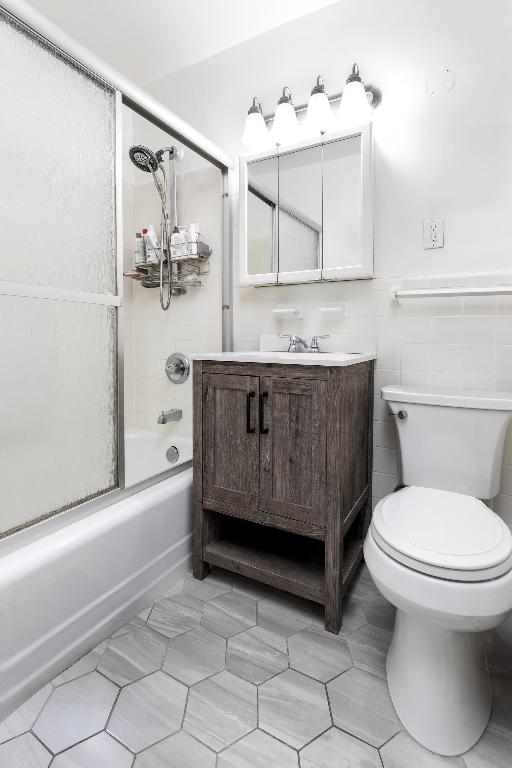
(435, 156)
(148, 40)
(448, 155)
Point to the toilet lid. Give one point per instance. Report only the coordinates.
(443, 534)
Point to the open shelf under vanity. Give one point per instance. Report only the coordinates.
(278, 558)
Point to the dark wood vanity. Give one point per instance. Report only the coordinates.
(282, 474)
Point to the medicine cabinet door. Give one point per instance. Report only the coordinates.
(260, 225)
(300, 215)
(347, 204)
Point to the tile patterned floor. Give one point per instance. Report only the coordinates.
(226, 673)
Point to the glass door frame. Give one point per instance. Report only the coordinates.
(126, 94)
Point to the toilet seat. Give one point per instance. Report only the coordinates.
(443, 534)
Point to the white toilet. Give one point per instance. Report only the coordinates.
(444, 559)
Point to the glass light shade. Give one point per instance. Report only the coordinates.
(319, 115)
(285, 128)
(256, 135)
(354, 108)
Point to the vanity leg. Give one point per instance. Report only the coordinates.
(200, 568)
(333, 581)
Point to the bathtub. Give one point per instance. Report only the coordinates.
(145, 454)
(68, 582)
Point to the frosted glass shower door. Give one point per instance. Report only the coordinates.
(58, 293)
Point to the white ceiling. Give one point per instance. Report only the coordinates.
(151, 39)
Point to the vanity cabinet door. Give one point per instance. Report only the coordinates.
(293, 448)
(231, 440)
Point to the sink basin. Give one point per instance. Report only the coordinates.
(290, 358)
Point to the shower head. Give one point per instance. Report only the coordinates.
(143, 158)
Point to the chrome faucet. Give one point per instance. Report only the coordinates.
(175, 414)
(299, 344)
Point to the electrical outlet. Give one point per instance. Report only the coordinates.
(433, 233)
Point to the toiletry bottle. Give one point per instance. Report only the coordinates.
(152, 250)
(178, 245)
(139, 253)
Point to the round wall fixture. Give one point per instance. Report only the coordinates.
(172, 454)
(177, 368)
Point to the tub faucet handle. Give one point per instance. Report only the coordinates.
(175, 414)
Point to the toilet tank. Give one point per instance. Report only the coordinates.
(451, 439)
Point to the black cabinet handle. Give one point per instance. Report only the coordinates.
(263, 429)
(250, 397)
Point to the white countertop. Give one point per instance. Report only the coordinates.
(291, 358)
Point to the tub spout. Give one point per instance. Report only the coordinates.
(175, 414)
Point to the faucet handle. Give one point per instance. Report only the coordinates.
(315, 347)
(291, 337)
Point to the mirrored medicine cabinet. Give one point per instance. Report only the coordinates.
(306, 212)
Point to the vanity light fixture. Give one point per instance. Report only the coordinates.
(256, 136)
(322, 115)
(319, 115)
(285, 128)
(354, 109)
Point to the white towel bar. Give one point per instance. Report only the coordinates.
(424, 293)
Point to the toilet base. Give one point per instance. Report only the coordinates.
(439, 684)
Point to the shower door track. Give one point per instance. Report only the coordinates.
(27, 290)
(130, 95)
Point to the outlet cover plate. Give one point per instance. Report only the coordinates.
(433, 233)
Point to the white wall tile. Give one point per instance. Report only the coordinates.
(446, 330)
(415, 330)
(385, 460)
(384, 434)
(477, 359)
(383, 484)
(445, 358)
(415, 357)
(504, 361)
(479, 330)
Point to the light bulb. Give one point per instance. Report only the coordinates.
(319, 115)
(256, 135)
(285, 128)
(354, 108)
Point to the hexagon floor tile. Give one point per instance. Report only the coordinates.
(195, 655)
(318, 654)
(133, 655)
(75, 711)
(403, 751)
(361, 705)
(221, 710)
(188, 685)
(87, 663)
(369, 648)
(293, 708)
(257, 654)
(279, 620)
(148, 711)
(229, 614)
(24, 752)
(175, 615)
(258, 750)
(100, 751)
(335, 749)
(217, 583)
(178, 751)
(25, 716)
